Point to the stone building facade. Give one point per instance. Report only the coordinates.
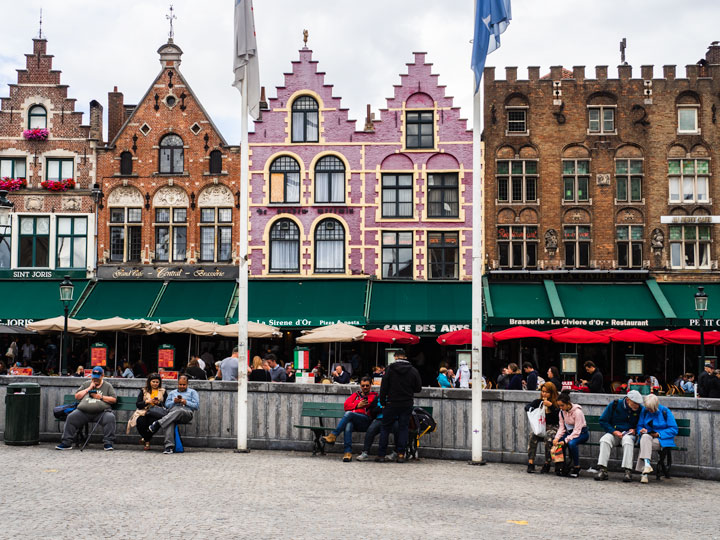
(169, 181)
(604, 173)
(47, 163)
(392, 200)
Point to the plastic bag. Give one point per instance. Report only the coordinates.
(536, 419)
(557, 453)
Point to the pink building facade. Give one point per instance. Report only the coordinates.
(391, 201)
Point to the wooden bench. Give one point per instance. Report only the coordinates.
(322, 411)
(665, 459)
(123, 403)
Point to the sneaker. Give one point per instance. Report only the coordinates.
(628, 476)
(347, 457)
(647, 469)
(392, 457)
(63, 446)
(168, 451)
(602, 473)
(329, 438)
(592, 470)
(531, 468)
(108, 447)
(154, 427)
(380, 459)
(644, 479)
(363, 457)
(545, 468)
(574, 472)
(400, 458)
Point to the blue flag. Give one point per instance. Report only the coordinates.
(491, 19)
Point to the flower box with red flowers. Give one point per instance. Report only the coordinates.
(12, 184)
(37, 134)
(58, 185)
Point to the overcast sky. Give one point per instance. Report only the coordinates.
(362, 46)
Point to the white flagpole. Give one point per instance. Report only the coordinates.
(477, 261)
(242, 399)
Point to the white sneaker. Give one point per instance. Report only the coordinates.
(644, 479)
(391, 457)
(363, 457)
(647, 470)
(592, 470)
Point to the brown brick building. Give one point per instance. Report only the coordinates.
(601, 178)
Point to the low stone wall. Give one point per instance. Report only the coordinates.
(275, 408)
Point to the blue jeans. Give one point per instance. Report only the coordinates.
(392, 414)
(572, 445)
(351, 420)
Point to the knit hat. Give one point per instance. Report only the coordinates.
(634, 395)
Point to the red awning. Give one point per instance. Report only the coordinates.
(635, 335)
(464, 337)
(556, 331)
(607, 332)
(519, 332)
(579, 335)
(390, 336)
(685, 336)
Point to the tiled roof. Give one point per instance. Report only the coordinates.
(566, 74)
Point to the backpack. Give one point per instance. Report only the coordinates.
(422, 422)
(61, 411)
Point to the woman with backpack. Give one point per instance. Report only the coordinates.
(548, 400)
(572, 433)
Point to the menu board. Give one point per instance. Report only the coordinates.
(166, 356)
(98, 354)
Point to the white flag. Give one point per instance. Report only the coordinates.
(245, 58)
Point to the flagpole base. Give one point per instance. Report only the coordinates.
(481, 462)
(246, 451)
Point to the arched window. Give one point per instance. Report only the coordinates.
(284, 247)
(126, 163)
(37, 117)
(330, 180)
(329, 247)
(285, 180)
(305, 120)
(215, 162)
(171, 154)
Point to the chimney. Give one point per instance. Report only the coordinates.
(263, 100)
(116, 113)
(369, 120)
(96, 121)
(713, 54)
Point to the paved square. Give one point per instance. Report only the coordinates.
(204, 494)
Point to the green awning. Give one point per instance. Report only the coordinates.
(25, 301)
(525, 302)
(681, 297)
(421, 307)
(128, 299)
(619, 305)
(202, 300)
(304, 303)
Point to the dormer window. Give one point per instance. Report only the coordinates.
(126, 163)
(171, 154)
(420, 128)
(37, 117)
(305, 120)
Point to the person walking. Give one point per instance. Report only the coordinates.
(400, 383)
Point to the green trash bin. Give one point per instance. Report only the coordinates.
(22, 414)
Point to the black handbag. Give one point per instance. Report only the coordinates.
(156, 412)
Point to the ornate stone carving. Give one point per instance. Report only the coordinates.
(71, 203)
(216, 196)
(33, 203)
(170, 196)
(657, 242)
(551, 241)
(125, 196)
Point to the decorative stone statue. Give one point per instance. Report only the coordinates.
(551, 239)
(657, 240)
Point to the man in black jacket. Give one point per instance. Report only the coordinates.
(595, 384)
(704, 380)
(400, 382)
(531, 376)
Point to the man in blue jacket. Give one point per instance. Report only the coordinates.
(181, 404)
(619, 420)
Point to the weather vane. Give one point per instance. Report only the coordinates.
(171, 18)
(40, 32)
(305, 37)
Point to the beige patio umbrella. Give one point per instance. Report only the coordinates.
(255, 330)
(57, 324)
(334, 333)
(120, 324)
(190, 326)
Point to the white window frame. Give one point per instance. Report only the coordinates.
(686, 107)
(525, 176)
(680, 179)
(699, 246)
(516, 108)
(601, 120)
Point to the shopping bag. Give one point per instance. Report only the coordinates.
(536, 419)
(557, 453)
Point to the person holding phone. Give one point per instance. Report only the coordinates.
(150, 407)
(96, 399)
(181, 404)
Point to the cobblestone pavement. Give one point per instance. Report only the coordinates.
(204, 494)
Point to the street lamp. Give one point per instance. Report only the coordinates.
(701, 301)
(5, 207)
(66, 296)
